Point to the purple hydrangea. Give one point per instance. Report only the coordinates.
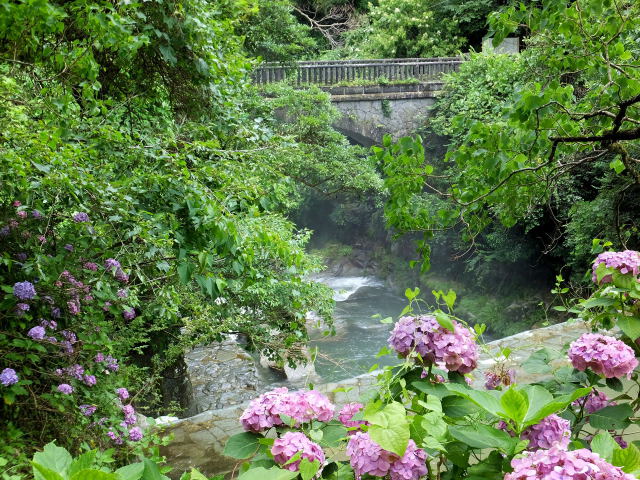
(110, 263)
(625, 262)
(122, 293)
(80, 217)
(88, 410)
(457, 350)
(68, 247)
(303, 406)
(123, 393)
(411, 466)
(346, 414)
(89, 380)
(90, 266)
(291, 443)
(4, 231)
(65, 388)
(117, 439)
(99, 358)
(22, 307)
(21, 256)
(55, 312)
(112, 363)
(550, 431)
(50, 324)
(75, 371)
(36, 214)
(22, 214)
(493, 379)
(74, 307)
(8, 377)
(24, 290)
(367, 457)
(129, 314)
(129, 414)
(121, 276)
(593, 402)
(560, 464)
(603, 354)
(135, 434)
(37, 333)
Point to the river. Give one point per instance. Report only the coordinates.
(361, 302)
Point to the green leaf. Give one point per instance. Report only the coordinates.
(308, 469)
(612, 418)
(151, 471)
(486, 400)
(242, 445)
(483, 436)
(617, 165)
(458, 407)
(603, 444)
(332, 434)
(273, 473)
(515, 404)
(538, 397)
(54, 458)
(630, 326)
(185, 270)
(131, 472)
(41, 472)
(390, 428)
(82, 462)
(93, 474)
(196, 475)
(615, 384)
(444, 320)
(628, 459)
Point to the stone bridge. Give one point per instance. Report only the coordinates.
(375, 97)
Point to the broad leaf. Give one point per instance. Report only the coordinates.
(54, 458)
(308, 469)
(603, 444)
(483, 436)
(515, 405)
(390, 428)
(131, 472)
(242, 445)
(273, 473)
(612, 418)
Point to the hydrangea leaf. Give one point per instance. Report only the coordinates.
(54, 458)
(308, 469)
(242, 445)
(273, 473)
(390, 428)
(612, 418)
(628, 459)
(603, 444)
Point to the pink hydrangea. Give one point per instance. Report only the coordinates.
(291, 443)
(593, 402)
(603, 354)
(625, 262)
(560, 464)
(346, 414)
(411, 466)
(303, 406)
(456, 350)
(367, 457)
(549, 431)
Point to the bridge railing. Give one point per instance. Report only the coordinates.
(331, 72)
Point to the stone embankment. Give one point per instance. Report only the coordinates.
(199, 440)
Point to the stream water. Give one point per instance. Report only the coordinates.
(359, 335)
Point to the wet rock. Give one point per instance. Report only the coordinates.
(221, 374)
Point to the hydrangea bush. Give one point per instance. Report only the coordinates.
(433, 416)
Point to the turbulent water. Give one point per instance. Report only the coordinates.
(359, 335)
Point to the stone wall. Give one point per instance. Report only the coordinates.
(370, 112)
(199, 440)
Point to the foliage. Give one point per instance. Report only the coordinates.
(273, 33)
(562, 123)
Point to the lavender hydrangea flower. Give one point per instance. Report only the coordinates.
(112, 363)
(90, 266)
(65, 388)
(99, 358)
(8, 377)
(88, 410)
(129, 414)
(625, 262)
(50, 324)
(291, 443)
(560, 464)
(411, 466)
(121, 276)
(68, 247)
(24, 290)
(135, 434)
(593, 402)
(456, 350)
(22, 307)
(605, 355)
(36, 214)
(367, 457)
(89, 380)
(129, 314)
(80, 217)
(22, 214)
(117, 439)
(74, 307)
(123, 393)
(37, 333)
(55, 312)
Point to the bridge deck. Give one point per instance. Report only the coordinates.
(332, 72)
